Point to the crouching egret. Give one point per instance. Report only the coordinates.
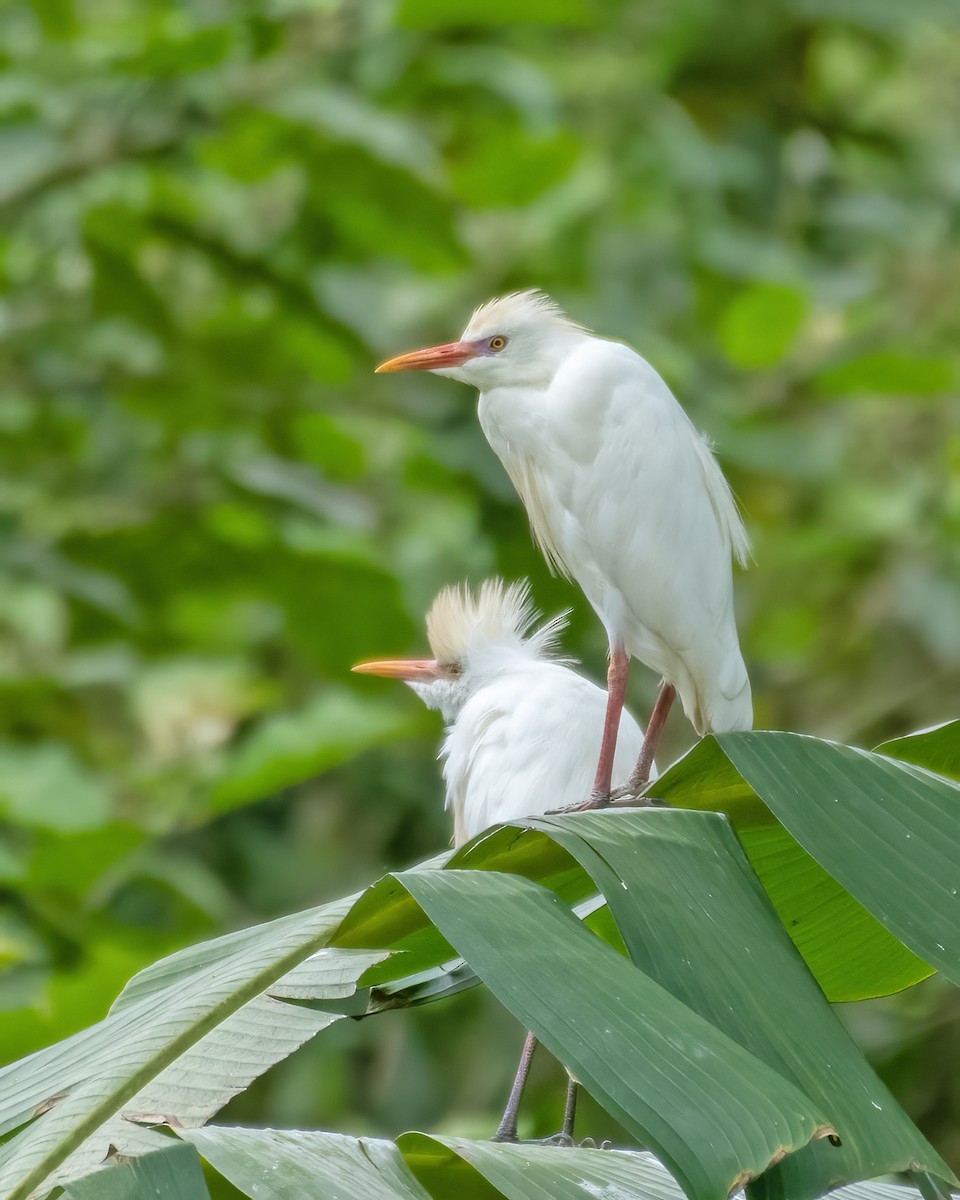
(624, 496)
(522, 728)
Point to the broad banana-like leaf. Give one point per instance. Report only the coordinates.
(885, 830)
(279, 1164)
(170, 1173)
(936, 749)
(270, 1164)
(850, 952)
(715, 1114)
(138, 1060)
(694, 917)
(537, 1172)
(145, 1059)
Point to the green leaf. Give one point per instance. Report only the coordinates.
(387, 916)
(506, 166)
(167, 57)
(291, 747)
(184, 964)
(448, 1166)
(280, 1164)
(886, 831)
(45, 787)
(80, 856)
(695, 919)
(439, 14)
(120, 289)
(191, 1037)
(889, 373)
(536, 1172)
(714, 1113)
(760, 325)
(849, 952)
(30, 153)
(270, 1164)
(936, 749)
(170, 1174)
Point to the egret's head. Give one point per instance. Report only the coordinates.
(518, 340)
(473, 637)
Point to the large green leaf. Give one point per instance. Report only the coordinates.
(184, 964)
(195, 1028)
(713, 1112)
(887, 831)
(208, 1049)
(850, 953)
(268, 1164)
(448, 1166)
(283, 1164)
(172, 1173)
(178, 1051)
(271, 1164)
(937, 749)
(694, 917)
(540, 1173)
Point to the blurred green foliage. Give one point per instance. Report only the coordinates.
(214, 219)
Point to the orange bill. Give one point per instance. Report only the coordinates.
(411, 670)
(450, 354)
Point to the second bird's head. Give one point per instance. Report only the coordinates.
(474, 637)
(516, 341)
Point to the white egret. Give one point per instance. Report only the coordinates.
(623, 495)
(522, 728)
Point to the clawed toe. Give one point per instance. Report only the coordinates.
(593, 801)
(564, 1140)
(623, 795)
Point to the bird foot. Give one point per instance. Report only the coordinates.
(555, 1139)
(593, 801)
(565, 1141)
(631, 796)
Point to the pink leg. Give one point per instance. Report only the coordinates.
(641, 772)
(617, 672)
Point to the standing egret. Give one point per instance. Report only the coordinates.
(623, 495)
(522, 729)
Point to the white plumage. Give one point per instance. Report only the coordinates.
(623, 494)
(523, 729)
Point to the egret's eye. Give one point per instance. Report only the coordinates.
(498, 342)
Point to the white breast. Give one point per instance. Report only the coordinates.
(624, 497)
(526, 743)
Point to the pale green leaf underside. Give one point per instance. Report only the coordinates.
(269, 1164)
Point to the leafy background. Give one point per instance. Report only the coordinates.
(214, 220)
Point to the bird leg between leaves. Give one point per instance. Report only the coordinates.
(565, 1136)
(507, 1129)
(570, 1109)
(641, 772)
